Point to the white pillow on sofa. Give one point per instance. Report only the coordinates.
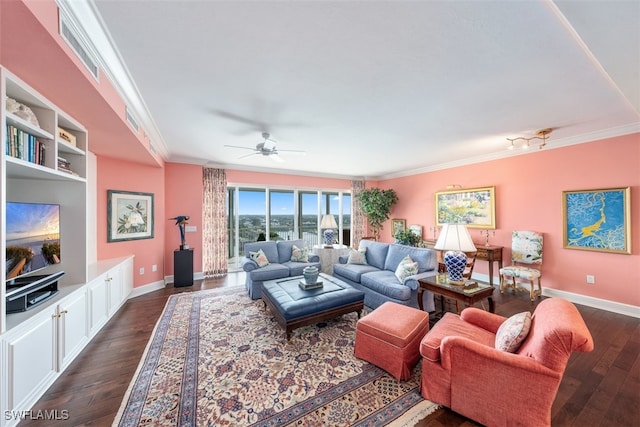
(406, 268)
(259, 257)
(357, 257)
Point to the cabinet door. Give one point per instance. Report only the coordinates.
(30, 357)
(72, 328)
(115, 287)
(98, 304)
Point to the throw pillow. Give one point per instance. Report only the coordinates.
(299, 254)
(259, 257)
(513, 332)
(357, 257)
(406, 268)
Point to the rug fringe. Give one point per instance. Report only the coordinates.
(415, 414)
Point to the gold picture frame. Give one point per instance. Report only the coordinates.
(397, 225)
(474, 207)
(597, 220)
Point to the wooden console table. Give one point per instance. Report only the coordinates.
(490, 254)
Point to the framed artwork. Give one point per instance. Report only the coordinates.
(475, 207)
(597, 220)
(129, 216)
(417, 229)
(397, 225)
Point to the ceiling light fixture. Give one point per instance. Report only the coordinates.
(541, 135)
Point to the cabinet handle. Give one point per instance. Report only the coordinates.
(58, 315)
(63, 312)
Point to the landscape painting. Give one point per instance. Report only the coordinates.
(474, 207)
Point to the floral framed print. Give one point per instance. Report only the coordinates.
(397, 225)
(475, 207)
(129, 216)
(597, 220)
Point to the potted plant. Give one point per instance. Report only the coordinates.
(376, 206)
(407, 237)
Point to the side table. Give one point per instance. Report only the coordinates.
(438, 284)
(329, 256)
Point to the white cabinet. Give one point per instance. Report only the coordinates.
(98, 304)
(108, 292)
(37, 350)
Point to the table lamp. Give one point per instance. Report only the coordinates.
(329, 225)
(455, 239)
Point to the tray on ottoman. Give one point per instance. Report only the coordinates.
(293, 307)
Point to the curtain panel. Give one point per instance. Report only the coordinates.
(215, 250)
(357, 216)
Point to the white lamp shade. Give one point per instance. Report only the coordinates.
(328, 221)
(455, 237)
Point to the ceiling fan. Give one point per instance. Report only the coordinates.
(267, 148)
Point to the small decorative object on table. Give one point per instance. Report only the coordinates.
(310, 274)
(328, 223)
(181, 222)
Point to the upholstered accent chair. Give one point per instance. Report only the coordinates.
(526, 263)
(463, 369)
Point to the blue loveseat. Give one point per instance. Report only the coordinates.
(280, 265)
(377, 278)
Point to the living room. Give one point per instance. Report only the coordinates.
(528, 187)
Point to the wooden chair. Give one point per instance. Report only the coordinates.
(526, 260)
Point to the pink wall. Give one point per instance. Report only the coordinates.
(183, 196)
(529, 196)
(116, 174)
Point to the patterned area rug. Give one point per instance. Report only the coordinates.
(218, 358)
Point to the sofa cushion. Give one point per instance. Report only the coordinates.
(299, 254)
(260, 258)
(452, 325)
(376, 253)
(424, 257)
(297, 268)
(513, 332)
(406, 268)
(269, 248)
(386, 283)
(269, 272)
(357, 256)
(352, 272)
(285, 249)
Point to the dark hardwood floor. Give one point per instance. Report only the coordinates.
(600, 388)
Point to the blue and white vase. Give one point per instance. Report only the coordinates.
(310, 274)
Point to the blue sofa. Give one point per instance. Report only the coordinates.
(280, 265)
(377, 277)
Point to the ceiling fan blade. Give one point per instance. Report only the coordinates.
(247, 155)
(243, 148)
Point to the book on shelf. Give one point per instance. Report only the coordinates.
(24, 146)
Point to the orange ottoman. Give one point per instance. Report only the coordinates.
(389, 337)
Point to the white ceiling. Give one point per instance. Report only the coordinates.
(376, 88)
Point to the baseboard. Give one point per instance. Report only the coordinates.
(141, 290)
(602, 304)
(196, 276)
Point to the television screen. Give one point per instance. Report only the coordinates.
(33, 237)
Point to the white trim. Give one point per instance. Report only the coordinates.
(141, 290)
(601, 304)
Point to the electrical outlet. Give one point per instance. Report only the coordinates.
(154, 267)
(141, 271)
(591, 279)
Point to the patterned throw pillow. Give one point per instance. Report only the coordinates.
(259, 257)
(357, 257)
(299, 255)
(406, 268)
(513, 331)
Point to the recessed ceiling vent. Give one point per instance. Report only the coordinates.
(131, 120)
(71, 36)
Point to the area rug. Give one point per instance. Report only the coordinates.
(218, 358)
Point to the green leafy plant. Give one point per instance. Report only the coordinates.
(376, 205)
(407, 237)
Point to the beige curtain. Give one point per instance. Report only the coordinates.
(215, 251)
(357, 217)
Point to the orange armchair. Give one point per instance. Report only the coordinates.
(462, 369)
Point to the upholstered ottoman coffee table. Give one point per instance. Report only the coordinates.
(294, 307)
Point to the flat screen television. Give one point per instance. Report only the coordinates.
(33, 238)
